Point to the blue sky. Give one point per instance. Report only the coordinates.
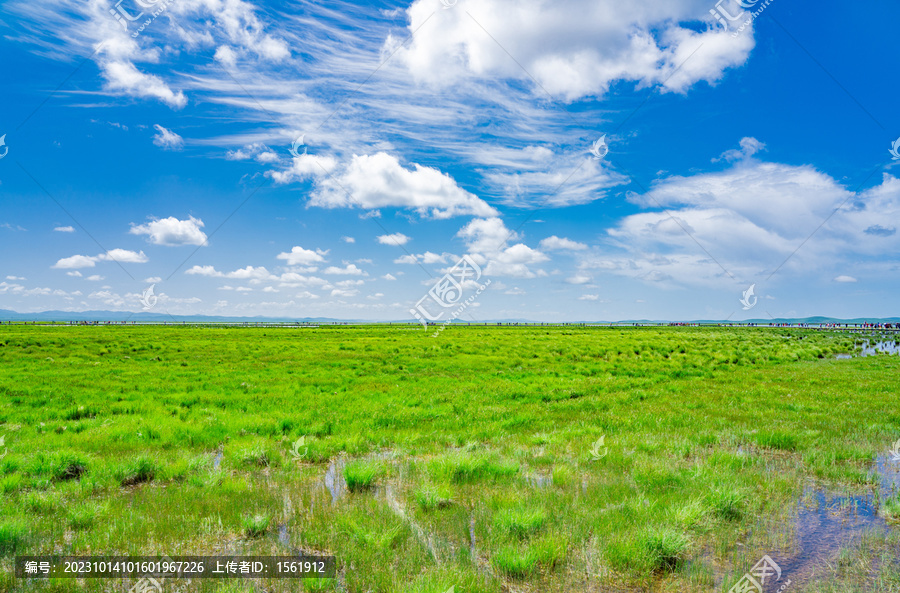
(429, 131)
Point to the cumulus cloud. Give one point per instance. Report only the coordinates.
(394, 239)
(76, 262)
(555, 243)
(380, 181)
(349, 270)
(749, 147)
(339, 292)
(124, 256)
(167, 139)
(171, 231)
(299, 256)
(753, 218)
(87, 261)
(578, 279)
(425, 258)
(256, 151)
(64, 229)
(487, 241)
(573, 49)
(305, 166)
(248, 273)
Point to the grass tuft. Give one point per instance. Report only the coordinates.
(13, 536)
(256, 525)
(520, 522)
(664, 548)
(362, 475)
(137, 471)
(430, 497)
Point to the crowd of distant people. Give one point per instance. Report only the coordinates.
(864, 325)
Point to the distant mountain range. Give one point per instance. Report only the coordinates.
(143, 317)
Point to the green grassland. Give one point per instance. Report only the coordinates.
(473, 460)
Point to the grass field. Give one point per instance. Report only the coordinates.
(488, 459)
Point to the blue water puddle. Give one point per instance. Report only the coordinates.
(828, 522)
(873, 348)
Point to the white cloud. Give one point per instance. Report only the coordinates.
(248, 273)
(64, 229)
(75, 262)
(749, 147)
(349, 283)
(538, 176)
(394, 239)
(171, 231)
(256, 151)
(556, 243)
(579, 279)
(124, 256)
(306, 166)
(230, 27)
(389, 277)
(95, 278)
(379, 181)
(573, 49)
(589, 297)
(75, 274)
(348, 239)
(426, 258)
(845, 279)
(303, 257)
(487, 240)
(433, 258)
(153, 280)
(167, 139)
(86, 261)
(349, 270)
(486, 235)
(344, 293)
(750, 219)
